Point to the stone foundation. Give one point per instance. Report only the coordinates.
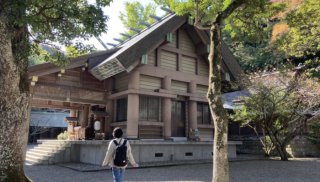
(146, 152)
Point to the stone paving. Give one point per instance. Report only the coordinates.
(297, 170)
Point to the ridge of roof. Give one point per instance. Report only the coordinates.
(145, 29)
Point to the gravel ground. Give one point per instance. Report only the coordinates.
(298, 170)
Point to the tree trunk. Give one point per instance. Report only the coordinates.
(219, 115)
(283, 153)
(14, 105)
(279, 147)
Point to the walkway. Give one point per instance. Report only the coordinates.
(302, 170)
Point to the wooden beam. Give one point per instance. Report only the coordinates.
(178, 39)
(150, 123)
(71, 88)
(40, 105)
(158, 58)
(141, 92)
(198, 66)
(72, 100)
(179, 62)
(178, 51)
(162, 72)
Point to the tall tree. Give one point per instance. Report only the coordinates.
(245, 16)
(300, 41)
(37, 21)
(135, 13)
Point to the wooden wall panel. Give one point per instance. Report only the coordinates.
(203, 68)
(149, 82)
(202, 89)
(174, 40)
(152, 58)
(188, 65)
(74, 77)
(168, 60)
(150, 132)
(179, 86)
(121, 82)
(90, 81)
(43, 91)
(88, 95)
(185, 43)
(206, 134)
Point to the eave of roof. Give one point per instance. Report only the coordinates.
(230, 61)
(48, 68)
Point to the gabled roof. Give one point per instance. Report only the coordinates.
(133, 49)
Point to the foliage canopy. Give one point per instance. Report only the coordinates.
(48, 22)
(135, 13)
(301, 42)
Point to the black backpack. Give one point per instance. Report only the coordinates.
(120, 158)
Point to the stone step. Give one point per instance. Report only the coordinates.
(36, 161)
(47, 149)
(33, 157)
(54, 141)
(52, 144)
(32, 161)
(39, 153)
(44, 150)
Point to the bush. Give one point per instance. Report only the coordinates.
(63, 136)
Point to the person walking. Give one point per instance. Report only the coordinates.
(118, 155)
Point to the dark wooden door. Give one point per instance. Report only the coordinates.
(178, 127)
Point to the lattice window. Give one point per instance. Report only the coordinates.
(122, 106)
(203, 114)
(149, 108)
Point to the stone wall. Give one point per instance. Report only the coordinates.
(146, 152)
(250, 147)
(303, 147)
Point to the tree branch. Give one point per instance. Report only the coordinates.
(42, 9)
(232, 7)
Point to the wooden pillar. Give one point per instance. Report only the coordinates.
(109, 85)
(166, 117)
(192, 107)
(133, 116)
(166, 109)
(73, 113)
(71, 125)
(134, 79)
(109, 119)
(133, 106)
(193, 114)
(85, 116)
